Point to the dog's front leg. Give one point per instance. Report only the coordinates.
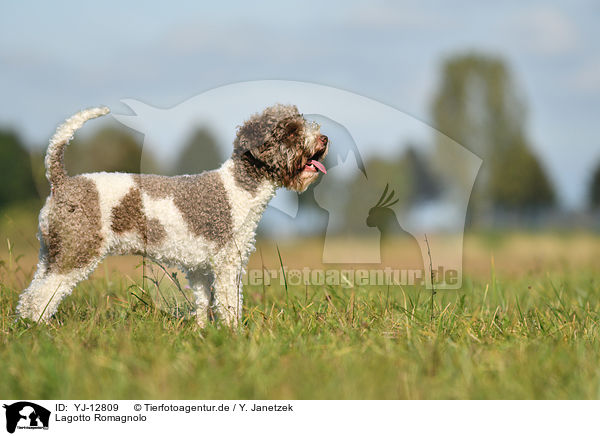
(228, 294)
(200, 282)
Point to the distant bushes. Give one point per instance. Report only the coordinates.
(22, 172)
(16, 176)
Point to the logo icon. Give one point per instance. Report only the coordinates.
(26, 415)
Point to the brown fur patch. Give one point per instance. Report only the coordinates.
(155, 232)
(246, 174)
(201, 199)
(128, 215)
(74, 237)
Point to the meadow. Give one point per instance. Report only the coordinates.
(525, 325)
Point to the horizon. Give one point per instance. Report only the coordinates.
(390, 53)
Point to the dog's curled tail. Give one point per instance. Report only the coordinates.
(55, 168)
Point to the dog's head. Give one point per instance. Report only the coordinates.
(279, 144)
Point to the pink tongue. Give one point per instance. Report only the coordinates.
(318, 165)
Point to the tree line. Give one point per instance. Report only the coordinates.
(476, 104)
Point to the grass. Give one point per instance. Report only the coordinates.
(534, 336)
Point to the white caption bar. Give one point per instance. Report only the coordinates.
(297, 417)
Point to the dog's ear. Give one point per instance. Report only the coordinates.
(263, 137)
(291, 130)
(250, 139)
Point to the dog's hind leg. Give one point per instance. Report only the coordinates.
(200, 282)
(49, 286)
(41, 299)
(71, 245)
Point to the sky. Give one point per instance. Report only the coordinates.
(58, 57)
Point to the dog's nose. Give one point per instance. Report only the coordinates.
(323, 139)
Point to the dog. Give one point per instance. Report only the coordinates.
(204, 224)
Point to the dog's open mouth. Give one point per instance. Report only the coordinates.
(313, 164)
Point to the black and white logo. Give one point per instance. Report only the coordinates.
(26, 415)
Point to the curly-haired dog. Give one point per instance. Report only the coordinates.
(204, 224)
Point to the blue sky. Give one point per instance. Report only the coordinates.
(58, 57)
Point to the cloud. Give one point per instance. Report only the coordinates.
(392, 16)
(546, 31)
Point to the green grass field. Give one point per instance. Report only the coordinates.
(504, 336)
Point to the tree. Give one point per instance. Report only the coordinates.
(595, 189)
(201, 152)
(423, 183)
(478, 106)
(519, 182)
(16, 179)
(110, 149)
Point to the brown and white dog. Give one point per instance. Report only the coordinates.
(204, 224)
